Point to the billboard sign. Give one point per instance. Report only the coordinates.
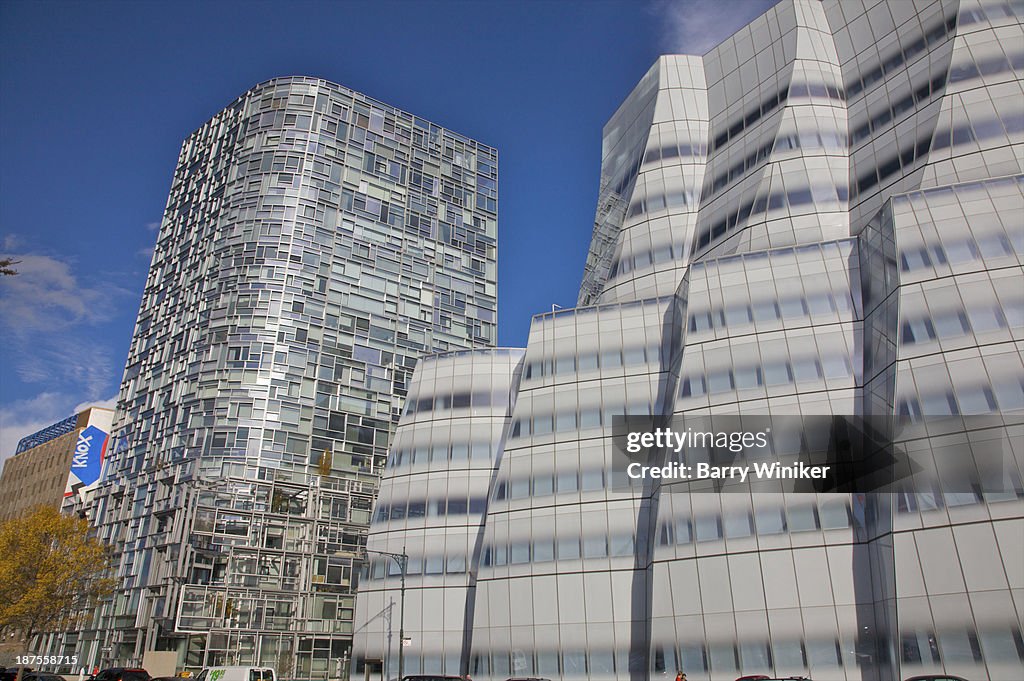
(87, 461)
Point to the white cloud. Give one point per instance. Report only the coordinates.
(109, 403)
(152, 226)
(85, 365)
(51, 334)
(146, 252)
(696, 26)
(46, 296)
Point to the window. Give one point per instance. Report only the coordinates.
(434, 565)
(611, 359)
(806, 370)
(700, 321)
(777, 374)
(595, 547)
(633, 356)
(976, 400)
(770, 521)
(519, 553)
(835, 515)
(986, 318)
(519, 488)
(835, 367)
(568, 548)
(565, 421)
(693, 386)
(823, 653)
(747, 377)
(738, 525)
(709, 528)
(683, 531)
(766, 311)
(592, 480)
(951, 324)
(803, 519)
(565, 365)
(622, 545)
(792, 308)
(567, 481)
(719, 381)
(543, 550)
(736, 316)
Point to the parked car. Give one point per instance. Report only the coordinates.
(41, 676)
(122, 674)
(432, 677)
(936, 677)
(527, 678)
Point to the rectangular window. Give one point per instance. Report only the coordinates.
(595, 547)
(434, 565)
(770, 521)
(709, 528)
(519, 488)
(565, 421)
(567, 481)
(568, 548)
(543, 550)
(803, 519)
(519, 554)
(738, 525)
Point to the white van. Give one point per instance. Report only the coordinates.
(237, 674)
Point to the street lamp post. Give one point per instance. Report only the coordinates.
(402, 561)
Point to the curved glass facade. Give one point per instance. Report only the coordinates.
(433, 500)
(821, 216)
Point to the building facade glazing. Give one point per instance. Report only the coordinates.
(315, 243)
(820, 216)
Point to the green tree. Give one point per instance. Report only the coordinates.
(49, 572)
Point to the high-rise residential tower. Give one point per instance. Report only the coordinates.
(315, 244)
(820, 217)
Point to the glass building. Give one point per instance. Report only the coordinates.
(821, 216)
(315, 244)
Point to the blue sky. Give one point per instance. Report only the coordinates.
(97, 97)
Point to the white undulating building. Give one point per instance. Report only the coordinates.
(820, 216)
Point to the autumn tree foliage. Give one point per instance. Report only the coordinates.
(50, 572)
(326, 463)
